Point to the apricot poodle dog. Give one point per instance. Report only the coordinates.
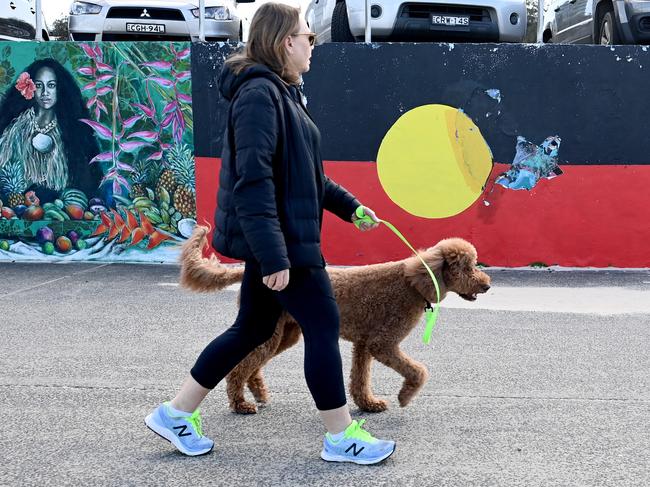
(379, 305)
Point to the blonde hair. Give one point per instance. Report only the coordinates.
(271, 25)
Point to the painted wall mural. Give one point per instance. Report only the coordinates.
(96, 151)
(382, 103)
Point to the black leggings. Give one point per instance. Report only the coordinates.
(310, 300)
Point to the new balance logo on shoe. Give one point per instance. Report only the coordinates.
(353, 447)
(183, 433)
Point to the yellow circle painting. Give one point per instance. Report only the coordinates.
(434, 162)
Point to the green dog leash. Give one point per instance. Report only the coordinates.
(430, 312)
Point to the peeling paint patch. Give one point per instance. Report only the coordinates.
(495, 94)
(531, 163)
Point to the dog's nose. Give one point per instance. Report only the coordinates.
(486, 287)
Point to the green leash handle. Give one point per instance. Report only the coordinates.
(430, 313)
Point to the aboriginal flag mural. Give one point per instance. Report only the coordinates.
(536, 154)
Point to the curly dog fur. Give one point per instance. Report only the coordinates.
(379, 304)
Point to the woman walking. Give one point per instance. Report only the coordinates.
(271, 199)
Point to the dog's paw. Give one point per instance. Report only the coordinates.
(261, 395)
(406, 395)
(244, 407)
(373, 405)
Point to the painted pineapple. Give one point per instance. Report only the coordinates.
(181, 162)
(12, 183)
(166, 181)
(140, 179)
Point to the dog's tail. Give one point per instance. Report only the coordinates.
(201, 274)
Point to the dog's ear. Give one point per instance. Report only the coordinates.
(418, 276)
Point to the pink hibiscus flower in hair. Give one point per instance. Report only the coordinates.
(26, 86)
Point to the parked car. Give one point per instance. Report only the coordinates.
(18, 21)
(419, 20)
(597, 21)
(153, 20)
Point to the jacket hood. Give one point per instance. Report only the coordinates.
(229, 82)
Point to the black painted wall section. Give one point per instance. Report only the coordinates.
(597, 99)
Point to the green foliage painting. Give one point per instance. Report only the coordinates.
(96, 151)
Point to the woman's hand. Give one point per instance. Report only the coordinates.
(277, 281)
(365, 226)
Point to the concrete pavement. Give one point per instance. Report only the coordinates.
(542, 382)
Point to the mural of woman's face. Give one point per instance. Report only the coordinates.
(45, 81)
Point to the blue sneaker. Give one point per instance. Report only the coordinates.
(356, 446)
(184, 432)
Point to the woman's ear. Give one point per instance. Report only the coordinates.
(288, 43)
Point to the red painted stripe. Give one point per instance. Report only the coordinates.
(590, 216)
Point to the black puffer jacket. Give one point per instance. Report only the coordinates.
(272, 190)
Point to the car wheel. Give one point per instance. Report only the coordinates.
(340, 24)
(608, 31)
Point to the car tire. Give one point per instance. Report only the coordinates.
(340, 24)
(608, 31)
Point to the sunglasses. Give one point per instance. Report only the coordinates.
(311, 38)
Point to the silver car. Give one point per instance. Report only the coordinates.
(153, 20)
(419, 20)
(596, 22)
(18, 21)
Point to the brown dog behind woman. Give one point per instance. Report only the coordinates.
(380, 305)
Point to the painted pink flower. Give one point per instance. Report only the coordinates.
(26, 86)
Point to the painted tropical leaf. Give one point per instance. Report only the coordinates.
(156, 156)
(167, 120)
(169, 107)
(89, 51)
(103, 90)
(132, 146)
(160, 65)
(125, 167)
(101, 130)
(104, 156)
(184, 54)
(149, 112)
(147, 135)
(102, 107)
(165, 83)
(184, 98)
(89, 86)
(86, 71)
(131, 121)
(103, 67)
(183, 75)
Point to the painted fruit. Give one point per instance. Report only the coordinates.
(81, 244)
(4, 245)
(73, 236)
(20, 209)
(63, 244)
(48, 248)
(7, 213)
(31, 199)
(33, 213)
(75, 212)
(88, 215)
(44, 234)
